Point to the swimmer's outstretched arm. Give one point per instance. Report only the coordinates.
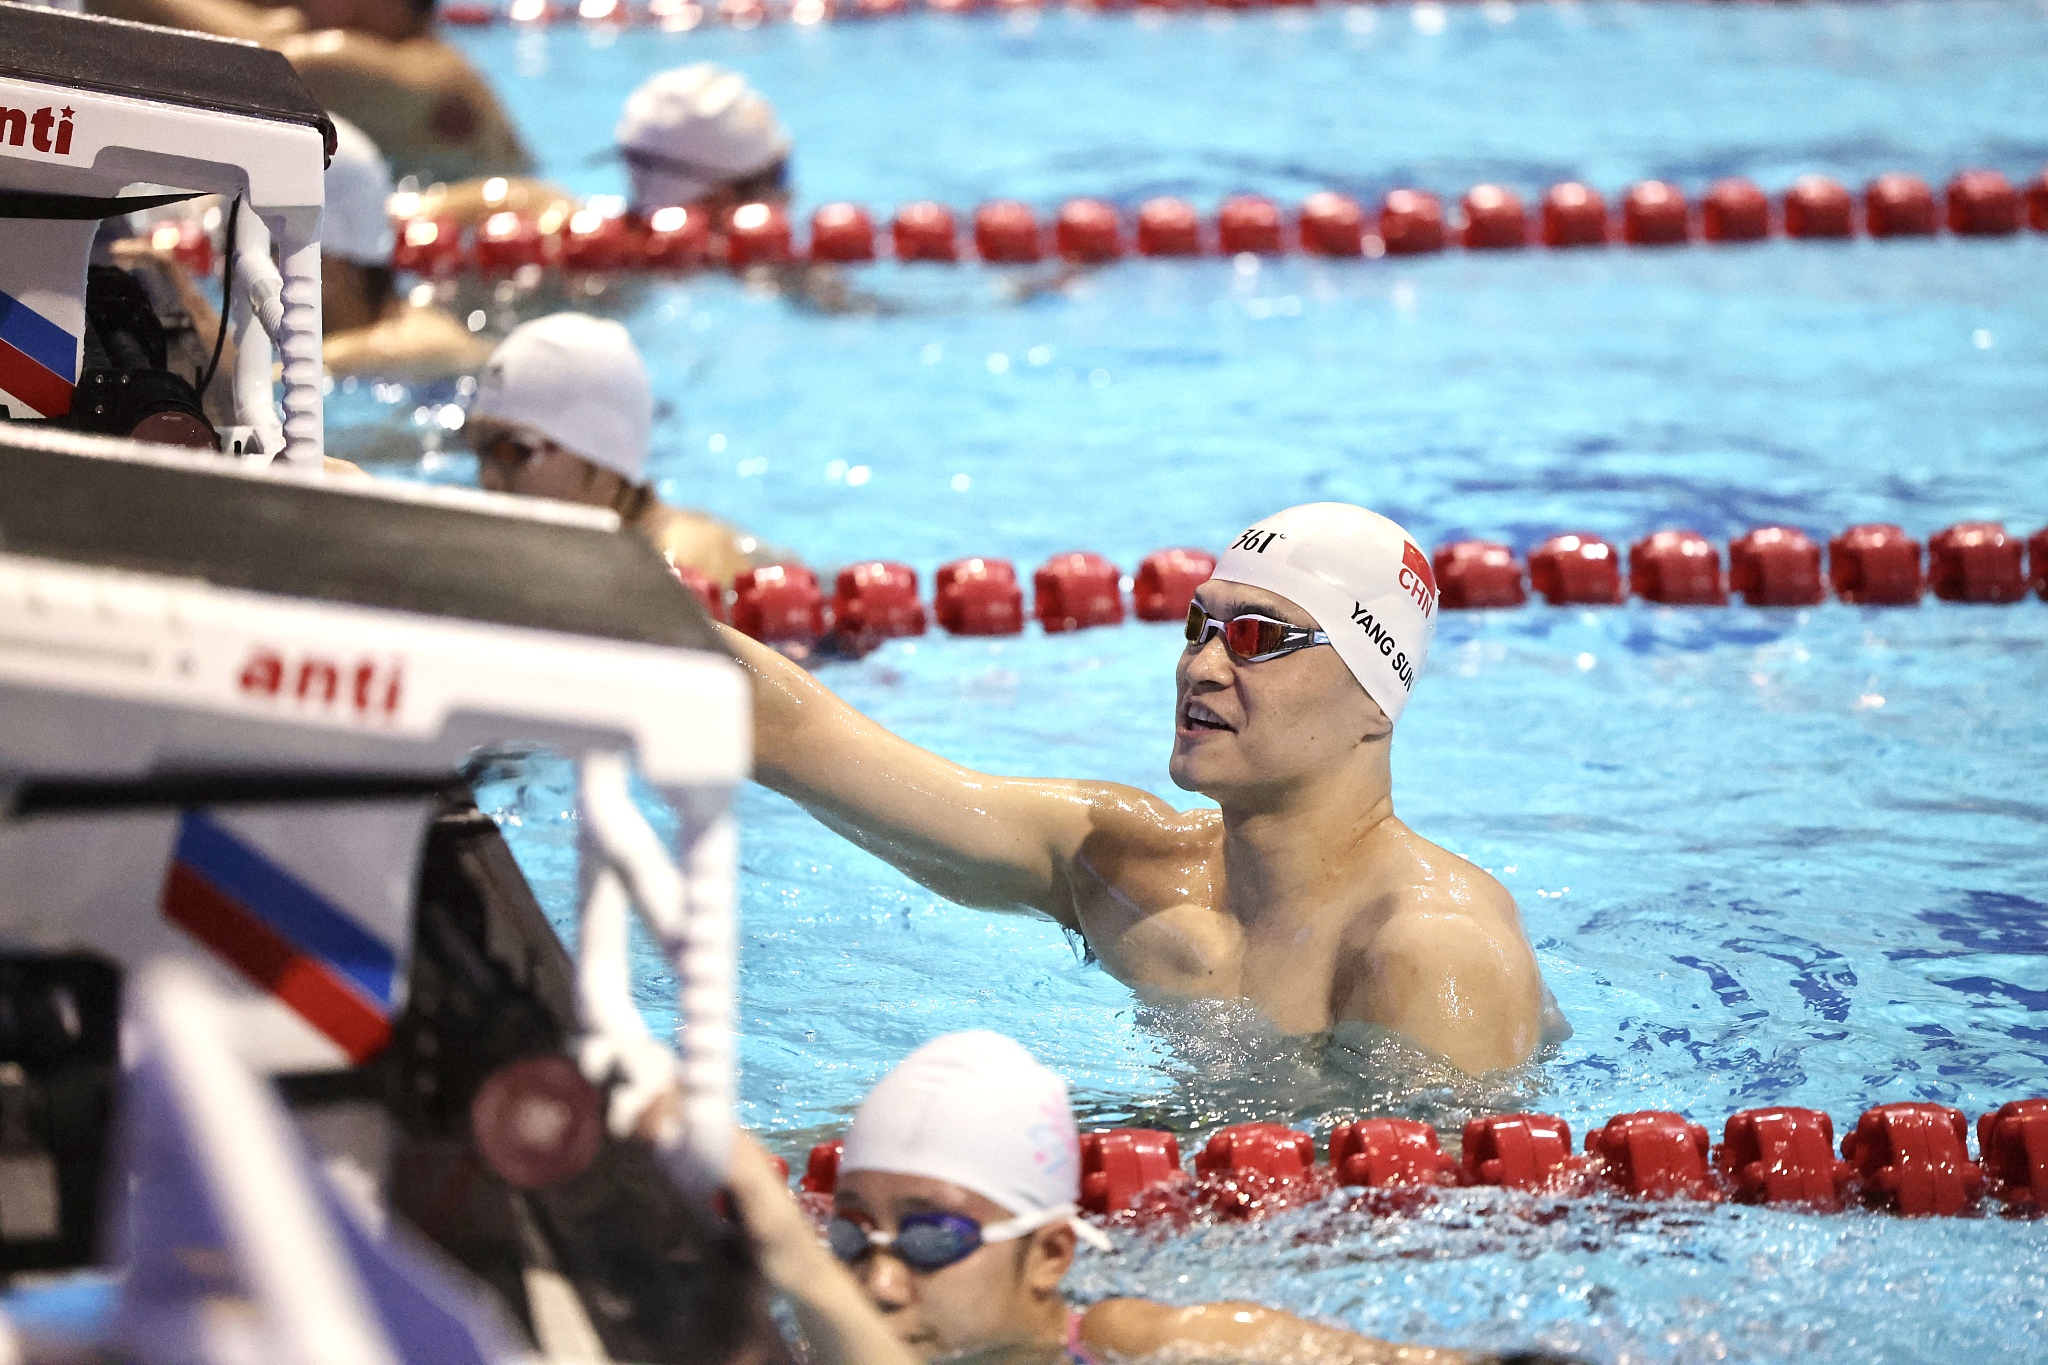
(1242, 1333)
(1001, 843)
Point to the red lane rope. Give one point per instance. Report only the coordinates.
(1773, 566)
(1908, 1158)
(1407, 222)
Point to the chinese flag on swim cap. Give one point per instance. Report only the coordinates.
(1364, 580)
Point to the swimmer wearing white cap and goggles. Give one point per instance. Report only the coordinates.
(1303, 893)
(956, 1213)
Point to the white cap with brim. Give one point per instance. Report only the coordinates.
(976, 1110)
(687, 131)
(356, 225)
(1366, 582)
(579, 381)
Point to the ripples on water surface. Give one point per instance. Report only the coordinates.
(1766, 857)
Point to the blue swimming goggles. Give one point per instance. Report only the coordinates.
(932, 1241)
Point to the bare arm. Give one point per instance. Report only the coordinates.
(1001, 843)
(1465, 987)
(840, 1324)
(221, 18)
(1240, 1332)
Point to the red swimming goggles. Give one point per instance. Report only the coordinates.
(1250, 637)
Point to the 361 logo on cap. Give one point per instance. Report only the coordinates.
(1417, 578)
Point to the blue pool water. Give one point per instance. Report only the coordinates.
(1766, 857)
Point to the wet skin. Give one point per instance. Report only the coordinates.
(1302, 894)
(1003, 1302)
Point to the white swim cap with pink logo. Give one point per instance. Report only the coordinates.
(1364, 579)
(976, 1110)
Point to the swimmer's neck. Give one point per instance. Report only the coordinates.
(1296, 853)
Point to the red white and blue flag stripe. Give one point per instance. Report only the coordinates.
(38, 358)
(282, 935)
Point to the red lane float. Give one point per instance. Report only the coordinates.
(1494, 220)
(1411, 223)
(1249, 223)
(1272, 1150)
(508, 242)
(1119, 1165)
(878, 601)
(1735, 210)
(1382, 1152)
(598, 244)
(2037, 562)
(1476, 574)
(2013, 1143)
(1914, 1159)
(1006, 233)
(1517, 1151)
(2037, 202)
(1875, 565)
(779, 603)
(1783, 1156)
(843, 234)
(1899, 206)
(821, 1170)
(1817, 207)
(1166, 581)
(1169, 227)
(978, 597)
(1655, 214)
(1654, 1154)
(758, 235)
(1576, 569)
(1976, 561)
(1574, 215)
(1332, 224)
(676, 239)
(1076, 590)
(1982, 204)
(1676, 568)
(1776, 566)
(925, 231)
(1087, 232)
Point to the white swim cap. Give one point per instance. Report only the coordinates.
(355, 225)
(689, 130)
(1364, 580)
(975, 1109)
(577, 380)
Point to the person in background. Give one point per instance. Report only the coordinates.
(696, 137)
(376, 63)
(368, 328)
(956, 1210)
(564, 409)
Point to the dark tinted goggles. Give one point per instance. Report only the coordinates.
(923, 1241)
(1250, 637)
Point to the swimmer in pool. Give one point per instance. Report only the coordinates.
(698, 137)
(1303, 894)
(564, 409)
(376, 63)
(956, 1212)
(368, 328)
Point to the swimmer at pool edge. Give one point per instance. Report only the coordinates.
(1303, 894)
(367, 328)
(956, 1210)
(378, 63)
(564, 409)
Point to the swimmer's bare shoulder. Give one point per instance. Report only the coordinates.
(1245, 1333)
(1440, 957)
